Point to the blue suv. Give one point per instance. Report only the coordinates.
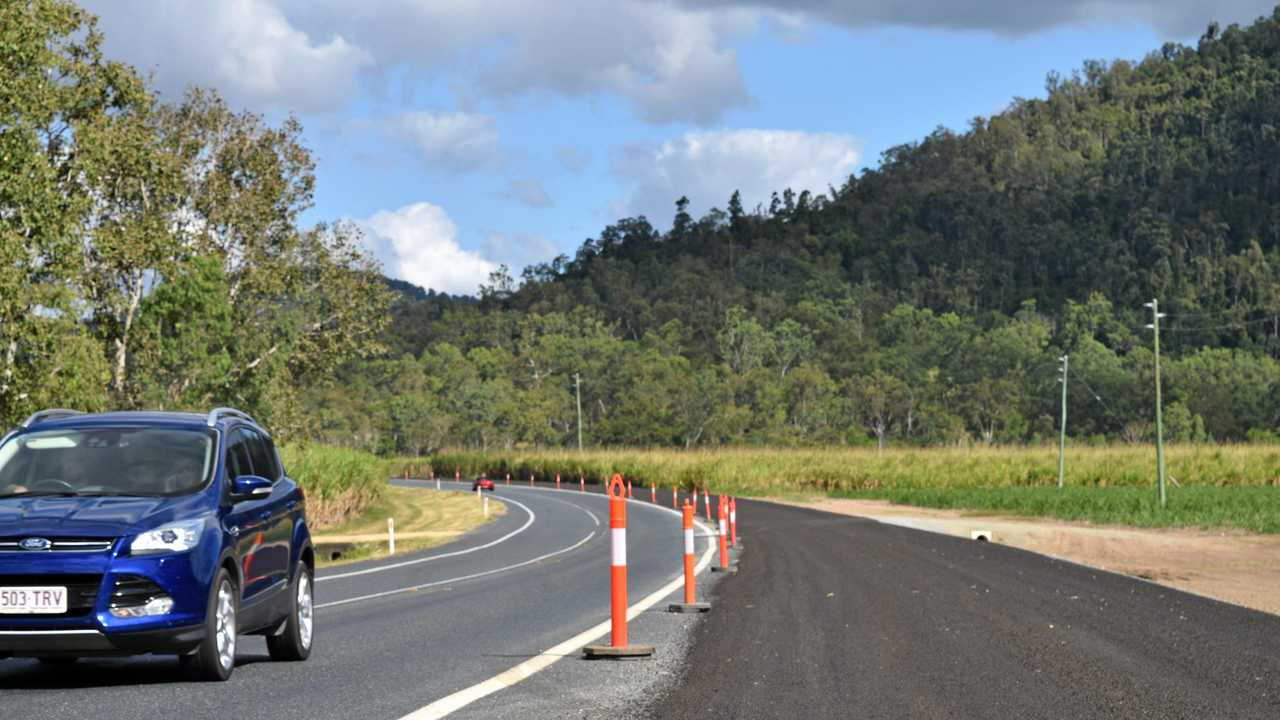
(146, 532)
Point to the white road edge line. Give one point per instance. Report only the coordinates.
(383, 568)
(495, 571)
(458, 700)
(473, 576)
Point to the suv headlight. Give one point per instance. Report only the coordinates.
(172, 538)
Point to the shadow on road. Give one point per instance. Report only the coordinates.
(30, 674)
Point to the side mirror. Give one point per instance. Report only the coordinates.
(250, 487)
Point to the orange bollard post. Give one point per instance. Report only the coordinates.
(582, 483)
(733, 522)
(557, 481)
(722, 536)
(706, 501)
(653, 492)
(508, 478)
(629, 495)
(690, 604)
(674, 504)
(618, 646)
(457, 475)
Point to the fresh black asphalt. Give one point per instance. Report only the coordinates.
(384, 657)
(841, 617)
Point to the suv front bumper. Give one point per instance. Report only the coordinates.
(42, 643)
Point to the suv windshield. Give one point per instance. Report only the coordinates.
(106, 461)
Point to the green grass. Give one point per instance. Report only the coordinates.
(1253, 509)
(339, 483)
(1222, 486)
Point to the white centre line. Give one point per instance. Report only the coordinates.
(418, 561)
(437, 583)
(472, 576)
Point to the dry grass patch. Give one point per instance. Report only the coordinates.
(424, 518)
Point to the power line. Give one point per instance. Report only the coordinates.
(1236, 325)
(1207, 313)
(1095, 394)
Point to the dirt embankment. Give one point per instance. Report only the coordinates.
(1230, 566)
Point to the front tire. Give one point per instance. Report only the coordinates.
(58, 660)
(294, 643)
(215, 658)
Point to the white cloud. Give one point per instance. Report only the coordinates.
(419, 243)
(1179, 17)
(670, 63)
(708, 166)
(520, 250)
(671, 60)
(453, 141)
(573, 159)
(247, 49)
(528, 192)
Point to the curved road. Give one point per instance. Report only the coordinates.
(395, 635)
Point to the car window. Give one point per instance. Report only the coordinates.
(106, 461)
(238, 456)
(260, 453)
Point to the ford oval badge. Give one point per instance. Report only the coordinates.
(35, 543)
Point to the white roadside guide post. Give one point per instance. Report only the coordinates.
(486, 506)
(391, 536)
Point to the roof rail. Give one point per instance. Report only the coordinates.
(49, 414)
(217, 414)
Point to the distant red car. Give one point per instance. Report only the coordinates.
(482, 483)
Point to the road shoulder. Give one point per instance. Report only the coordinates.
(1230, 566)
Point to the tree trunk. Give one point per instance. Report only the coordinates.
(122, 342)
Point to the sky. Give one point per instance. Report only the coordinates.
(461, 136)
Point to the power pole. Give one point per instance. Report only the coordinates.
(1155, 328)
(1062, 437)
(577, 387)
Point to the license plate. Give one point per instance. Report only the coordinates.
(33, 600)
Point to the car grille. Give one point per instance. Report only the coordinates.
(82, 590)
(134, 591)
(66, 544)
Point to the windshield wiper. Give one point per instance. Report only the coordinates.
(52, 493)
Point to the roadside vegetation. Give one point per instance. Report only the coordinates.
(340, 484)
(423, 519)
(1220, 486)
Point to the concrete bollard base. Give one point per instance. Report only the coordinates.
(689, 608)
(609, 652)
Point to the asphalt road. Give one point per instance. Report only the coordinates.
(384, 648)
(839, 617)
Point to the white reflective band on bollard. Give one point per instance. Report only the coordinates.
(724, 527)
(688, 542)
(618, 538)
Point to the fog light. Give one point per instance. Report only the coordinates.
(155, 606)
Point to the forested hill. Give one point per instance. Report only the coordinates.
(927, 300)
(1160, 179)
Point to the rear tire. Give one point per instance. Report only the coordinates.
(293, 644)
(215, 658)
